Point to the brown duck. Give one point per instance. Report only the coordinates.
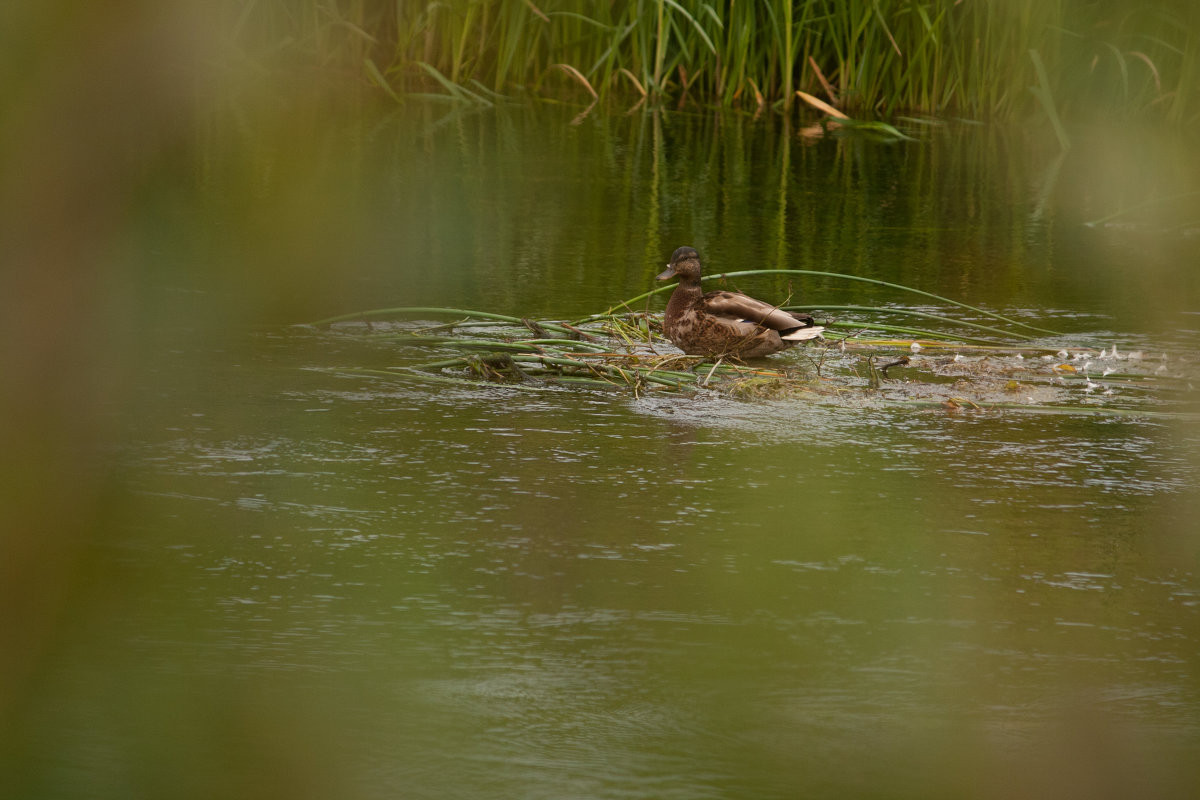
(726, 323)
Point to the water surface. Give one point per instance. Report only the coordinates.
(305, 582)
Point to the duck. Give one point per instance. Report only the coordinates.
(726, 324)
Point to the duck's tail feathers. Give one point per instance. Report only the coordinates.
(803, 334)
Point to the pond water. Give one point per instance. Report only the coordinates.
(308, 582)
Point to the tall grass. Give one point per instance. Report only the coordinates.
(972, 58)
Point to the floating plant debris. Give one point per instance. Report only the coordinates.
(949, 367)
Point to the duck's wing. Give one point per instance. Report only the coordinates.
(735, 306)
(802, 334)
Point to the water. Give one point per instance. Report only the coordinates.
(306, 582)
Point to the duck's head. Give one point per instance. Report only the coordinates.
(685, 262)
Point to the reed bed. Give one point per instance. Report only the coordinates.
(983, 58)
(869, 356)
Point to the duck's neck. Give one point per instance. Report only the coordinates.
(686, 293)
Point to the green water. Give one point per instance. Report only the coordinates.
(304, 583)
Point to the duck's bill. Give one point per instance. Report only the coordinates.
(669, 273)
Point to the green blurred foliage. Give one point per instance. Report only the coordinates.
(106, 107)
(98, 100)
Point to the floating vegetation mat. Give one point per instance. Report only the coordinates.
(945, 364)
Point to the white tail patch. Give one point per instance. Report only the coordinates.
(803, 334)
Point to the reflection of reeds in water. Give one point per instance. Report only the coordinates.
(964, 213)
(970, 58)
(467, 210)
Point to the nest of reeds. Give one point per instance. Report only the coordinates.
(869, 355)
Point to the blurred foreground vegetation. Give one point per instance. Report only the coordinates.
(978, 58)
(99, 125)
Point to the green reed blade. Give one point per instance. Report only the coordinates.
(907, 312)
(1046, 97)
(377, 78)
(695, 24)
(409, 373)
(458, 312)
(820, 273)
(473, 344)
(457, 90)
(1075, 411)
(573, 343)
(890, 285)
(909, 333)
(406, 310)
